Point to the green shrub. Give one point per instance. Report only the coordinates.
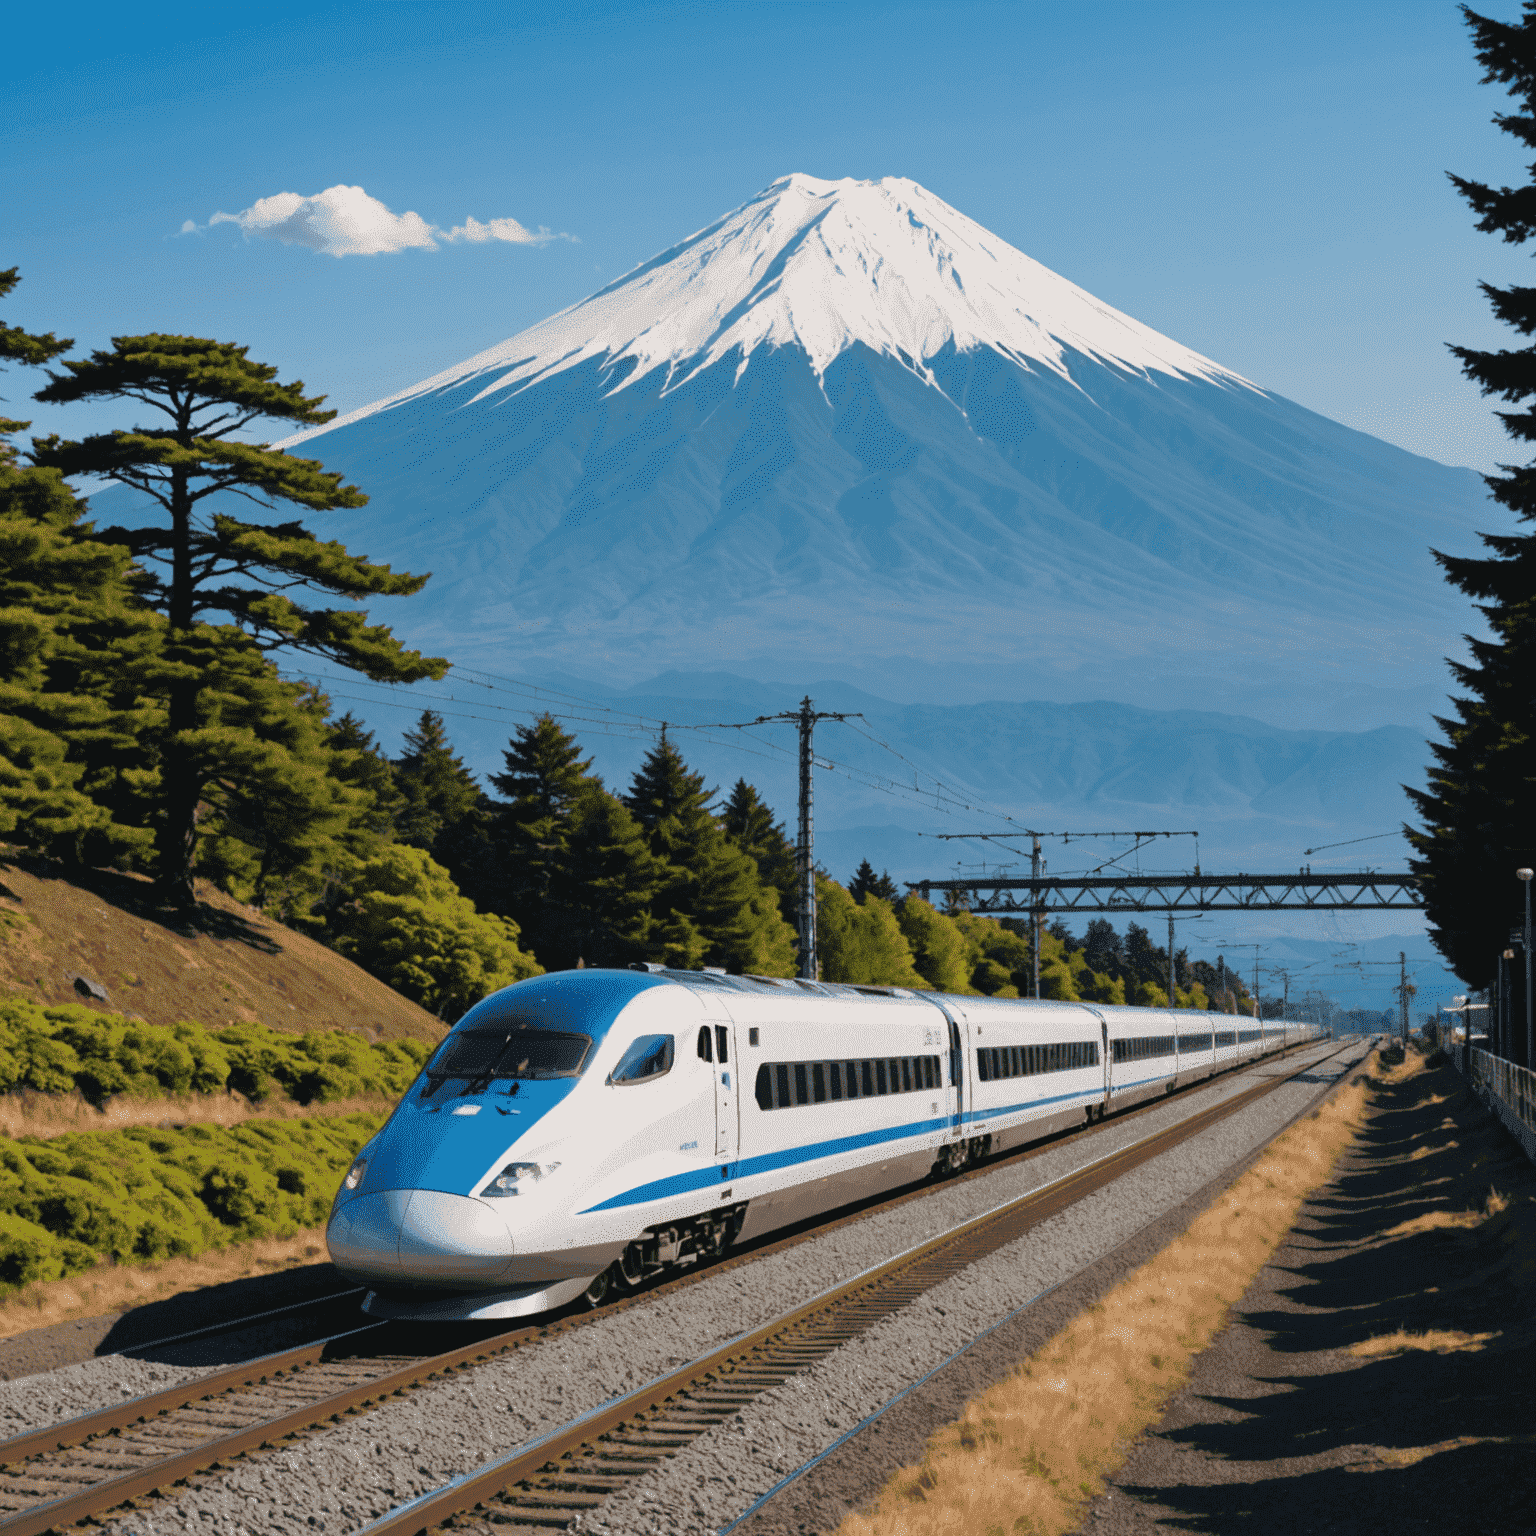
(54, 1050)
(142, 1194)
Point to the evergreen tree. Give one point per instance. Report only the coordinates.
(1103, 949)
(750, 824)
(732, 917)
(275, 822)
(664, 790)
(544, 785)
(1479, 812)
(867, 883)
(201, 561)
(69, 633)
(439, 794)
(601, 897)
(358, 762)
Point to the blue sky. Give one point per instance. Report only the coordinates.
(1263, 182)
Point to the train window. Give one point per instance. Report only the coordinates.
(994, 1062)
(722, 1045)
(817, 1082)
(704, 1047)
(647, 1058)
(751, 1037)
(1195, 1042)
(479, 1057)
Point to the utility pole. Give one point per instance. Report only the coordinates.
(805, 846)
(1034, 874)
(1173, 970)
(1402, 994)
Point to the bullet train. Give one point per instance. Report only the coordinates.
(584, 1130)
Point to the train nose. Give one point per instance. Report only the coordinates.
(420, 1236)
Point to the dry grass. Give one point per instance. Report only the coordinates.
(1438, 1341)
(1029, 1454)
(116, 1288)
(231, 963)
(55, 1114)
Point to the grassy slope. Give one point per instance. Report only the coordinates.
(228, 964)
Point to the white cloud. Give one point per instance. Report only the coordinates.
(346, 221)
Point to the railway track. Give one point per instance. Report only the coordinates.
(550, 1483)
(59, 1475)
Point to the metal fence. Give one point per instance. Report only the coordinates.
(1509, 1091)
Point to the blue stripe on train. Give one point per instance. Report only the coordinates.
(788, 1157)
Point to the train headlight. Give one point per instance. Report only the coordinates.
(355, 1174)
(515, 1178)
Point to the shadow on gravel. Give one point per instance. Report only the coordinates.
(1293, 1429)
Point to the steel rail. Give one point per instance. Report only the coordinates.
(251, 1375)
(669, 1412)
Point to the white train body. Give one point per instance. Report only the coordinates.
(592, 1127)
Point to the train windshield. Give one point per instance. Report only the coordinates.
(478, 1057)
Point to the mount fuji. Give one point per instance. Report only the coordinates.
(847, 431)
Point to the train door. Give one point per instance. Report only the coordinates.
(957, 1099)
(727, 1108)
(1104, 1038)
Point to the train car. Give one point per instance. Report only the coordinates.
(586, 1129)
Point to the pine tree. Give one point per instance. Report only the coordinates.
(866, 882)
(69, 632)
(358, 762)
(712, 882)
(444, 811)
(664, 790)
(544, 783)
(750, 824)
(1479, 812)
(601, 898)
(203, 562)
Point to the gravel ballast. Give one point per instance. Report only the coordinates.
(340, 1478)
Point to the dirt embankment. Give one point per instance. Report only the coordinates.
(107, 945)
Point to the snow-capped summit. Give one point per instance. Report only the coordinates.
(845, 431)
(824, 265)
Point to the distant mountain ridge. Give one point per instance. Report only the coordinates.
(845, 424)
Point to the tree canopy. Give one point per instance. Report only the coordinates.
(199, 564)
(1479, 811)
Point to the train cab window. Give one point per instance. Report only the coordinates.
(476, 1058)
(705, 1051)
(647, 1058)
